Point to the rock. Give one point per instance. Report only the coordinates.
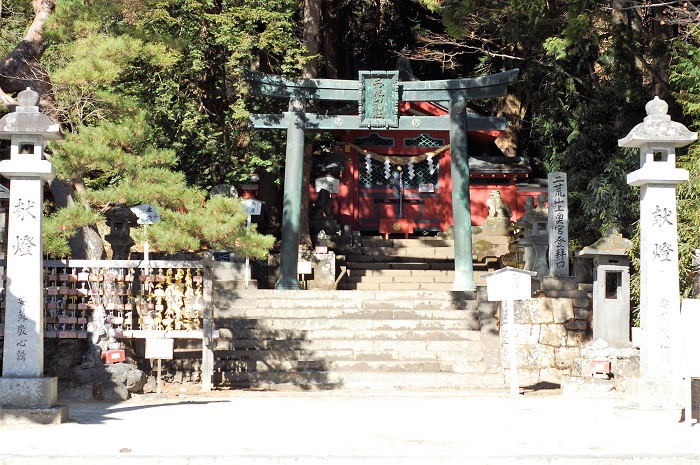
(81, 393)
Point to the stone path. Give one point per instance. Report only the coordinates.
(355, 427)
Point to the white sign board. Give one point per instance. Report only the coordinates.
(327, 182)
(146, 214)
(252, 206)
(426, 187)
(509, 284)
(159, 348)
(304, 267)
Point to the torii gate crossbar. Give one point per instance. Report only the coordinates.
(378, 94)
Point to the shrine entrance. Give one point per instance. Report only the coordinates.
(379, 95)
(400, 178)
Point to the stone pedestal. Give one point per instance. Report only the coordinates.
(324, 271)
(496, 226)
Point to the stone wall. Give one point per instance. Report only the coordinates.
(549, 333)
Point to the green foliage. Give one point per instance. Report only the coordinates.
(685, 74)
(149, 94)
(62, 224)
(219, 225)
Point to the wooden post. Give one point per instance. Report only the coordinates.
(208, 328)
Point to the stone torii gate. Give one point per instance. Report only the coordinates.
(378, 94)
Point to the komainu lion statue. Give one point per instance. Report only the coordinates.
(497, 207)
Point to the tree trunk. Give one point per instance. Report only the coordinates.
(21, 68)
(312, 32)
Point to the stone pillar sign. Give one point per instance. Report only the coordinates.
(558, 223)
(657, 138)
(22, 385)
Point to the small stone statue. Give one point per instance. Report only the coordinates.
(497, 207)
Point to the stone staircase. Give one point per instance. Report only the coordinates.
(378, 340)
(425, 263)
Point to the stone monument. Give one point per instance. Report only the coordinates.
(558, 223)
(25, 393)
(657, 138)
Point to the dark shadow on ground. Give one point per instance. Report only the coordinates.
(94, 413)
(543, 387)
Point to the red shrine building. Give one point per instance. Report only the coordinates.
(375, 175)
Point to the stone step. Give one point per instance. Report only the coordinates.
(463, 351)
(361, 380)
(430, 242)
(411, 266)
(364, 366)
(368, 334)
(371, 349)
(392, 286)
(398, 273)
(442, 253)
(468, 351)
(352, 324)
(341, 299)
(427, 311)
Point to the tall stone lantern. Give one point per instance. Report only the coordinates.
(24, 391)
(657, 139)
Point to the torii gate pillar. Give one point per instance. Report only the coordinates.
(291, 210)
(461, 213)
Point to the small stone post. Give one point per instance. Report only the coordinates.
(507, 285)
(24, 391)
(657, 138)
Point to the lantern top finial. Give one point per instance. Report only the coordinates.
(657, 110)
(28, 100)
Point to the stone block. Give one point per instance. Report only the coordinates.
(626, 367)
(522, 312)
(28, 392)
(580, 367)
(583, 302)
(576, 325)
(531, 357)
(552, 283)
(524, 334)
(576, 338)
(562, 309)
(564, 358)
(583, 314)
(541, 310)
(40, 415)
(553, 335)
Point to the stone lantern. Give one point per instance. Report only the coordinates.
(611, 286)
(24, 391)
(535, 241)
(657, 139)
(120, 219)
